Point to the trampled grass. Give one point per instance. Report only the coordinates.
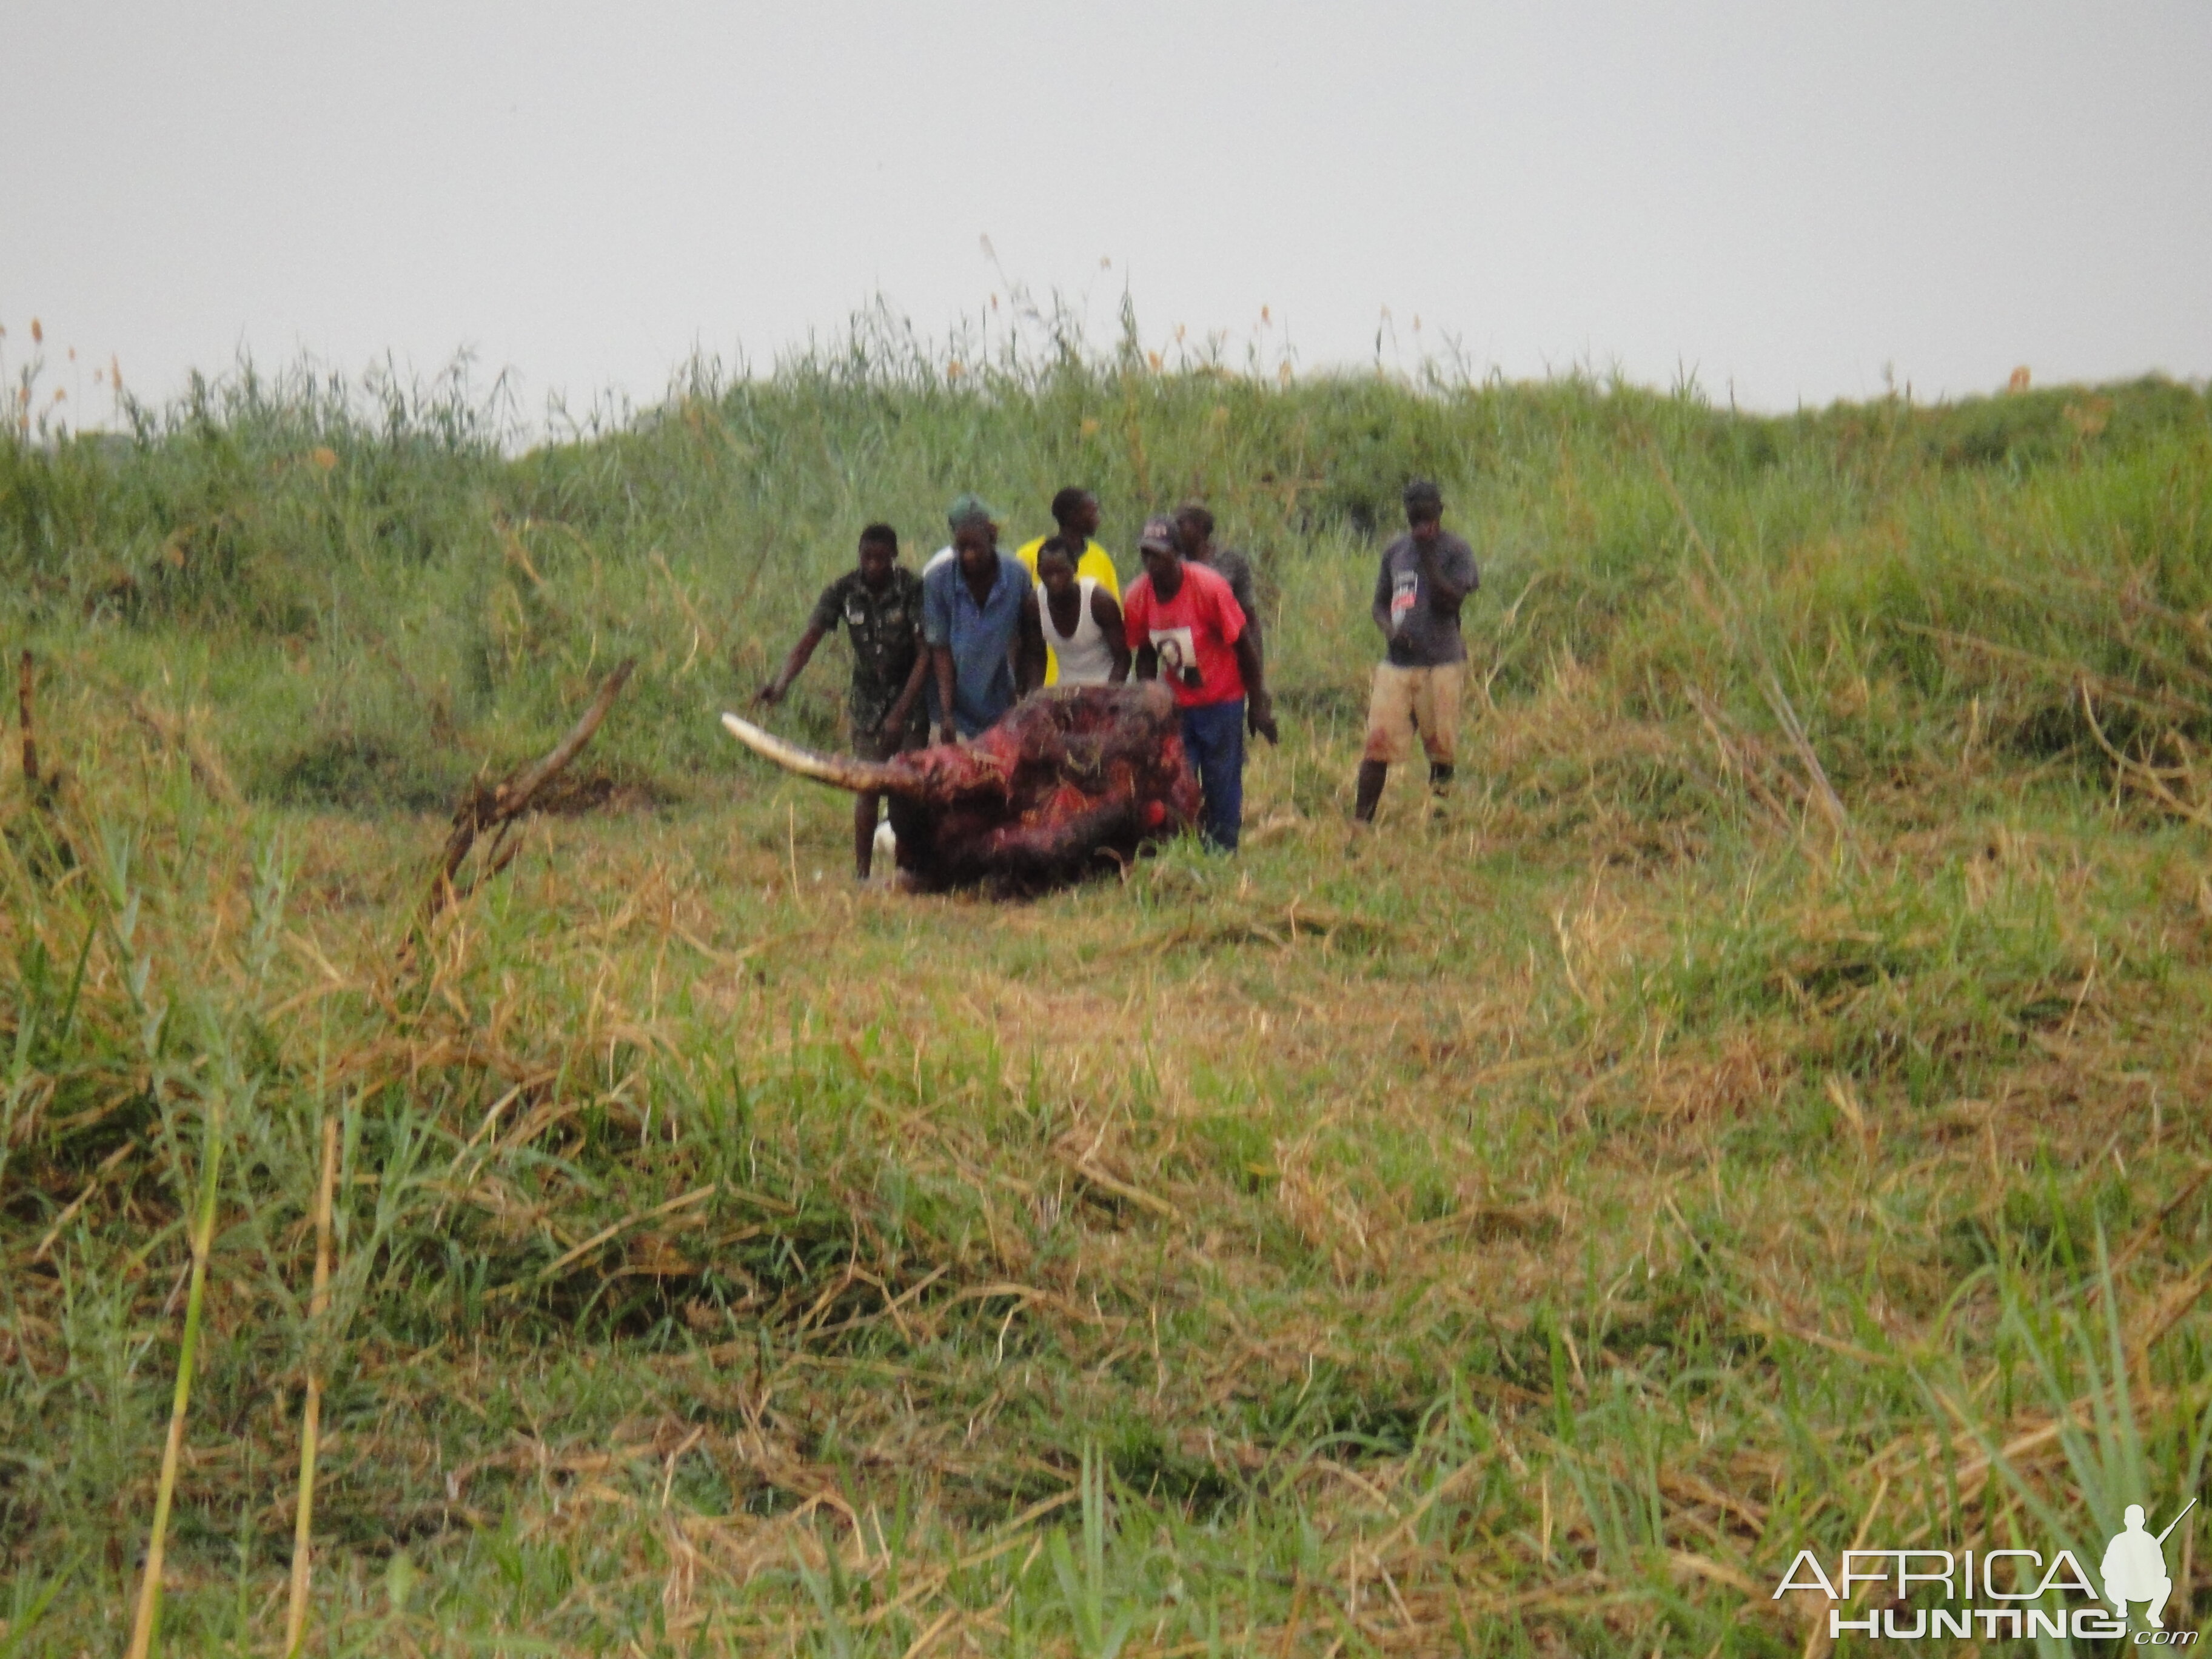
(1521, 1231)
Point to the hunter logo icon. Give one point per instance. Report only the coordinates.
(2133, 1567)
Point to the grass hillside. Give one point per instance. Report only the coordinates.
(1766, 1111)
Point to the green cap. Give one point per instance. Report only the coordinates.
(970, 508)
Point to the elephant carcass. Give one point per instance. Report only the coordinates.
(1073, 780)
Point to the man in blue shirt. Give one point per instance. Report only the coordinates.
(978, 619)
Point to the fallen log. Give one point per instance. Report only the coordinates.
(496, 809)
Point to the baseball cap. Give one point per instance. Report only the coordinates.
(968, 507)
(1159, 536)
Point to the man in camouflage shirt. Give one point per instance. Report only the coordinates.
(879, 604)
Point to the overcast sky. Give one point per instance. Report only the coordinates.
(1782, 199)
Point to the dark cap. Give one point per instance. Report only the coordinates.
(1159, 536)
(1422, 493)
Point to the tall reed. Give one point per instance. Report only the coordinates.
(295, 1616)
(145, 1633)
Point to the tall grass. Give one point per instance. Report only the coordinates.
(1520, 1234)
(348, 571)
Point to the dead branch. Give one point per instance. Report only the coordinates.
(30, 731)
(43, 788)
(170, 730)
(1737, 762)
(2154, 701)
(497, 809)
(1823, 791)
(2142, 774)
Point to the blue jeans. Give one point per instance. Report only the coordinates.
(1214, 736)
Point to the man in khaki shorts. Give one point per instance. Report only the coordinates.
(1426, 577)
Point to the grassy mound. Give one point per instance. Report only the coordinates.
(1763, 1112)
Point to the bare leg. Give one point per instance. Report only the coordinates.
(864, 834)
(1372, 776)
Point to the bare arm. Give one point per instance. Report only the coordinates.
(1382, 606)
(1147, 665)
(942, 657)
(1259, 706)
(895, 721)
(1245, 591)
(793, 665)
(1108, 616)
(1028, 648)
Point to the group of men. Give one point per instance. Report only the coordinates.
(945, 653)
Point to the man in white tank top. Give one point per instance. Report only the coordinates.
(1081, 622)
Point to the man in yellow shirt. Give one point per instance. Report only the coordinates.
(1076, 511)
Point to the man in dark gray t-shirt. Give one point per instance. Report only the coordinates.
(1426, 576)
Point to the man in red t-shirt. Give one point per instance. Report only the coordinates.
(1188, 630)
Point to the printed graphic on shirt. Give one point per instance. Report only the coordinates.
(1405, 588)
(1178, 654)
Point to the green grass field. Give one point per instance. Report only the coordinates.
(1766, 1111)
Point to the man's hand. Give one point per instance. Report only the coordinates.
(1259, 706)
(1445, 595)
(769, 694)
(1259, 717)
